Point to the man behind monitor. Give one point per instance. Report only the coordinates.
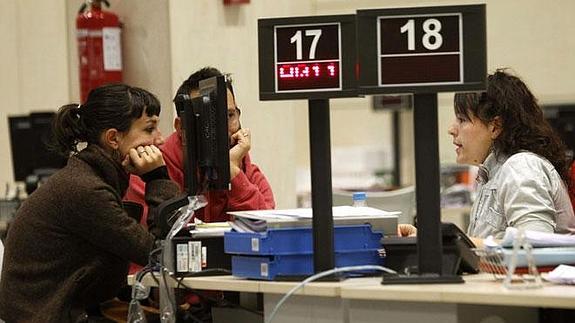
(250, 189)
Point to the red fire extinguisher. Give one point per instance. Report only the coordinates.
(99, 46)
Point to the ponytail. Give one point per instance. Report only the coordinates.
(67, 130)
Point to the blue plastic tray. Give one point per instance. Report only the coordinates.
(276, 267)
(289, 241)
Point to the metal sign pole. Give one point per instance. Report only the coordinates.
(321, 192)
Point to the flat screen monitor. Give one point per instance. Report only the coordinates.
(562, 119)
(29, 135)
(205, 137)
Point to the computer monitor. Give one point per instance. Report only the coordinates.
(205, 137)
(206, 147)
(562, 119)
(29, 135)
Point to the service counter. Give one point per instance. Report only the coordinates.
(479, 299)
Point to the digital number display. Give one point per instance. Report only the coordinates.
(420, 49)
(320, 75)
(308, 57)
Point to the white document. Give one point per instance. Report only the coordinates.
(112, 48)
(261, 220)
(538, 239)
(563, 274)
(291, 214)
(214, 229)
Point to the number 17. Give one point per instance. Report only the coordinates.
(296, 38)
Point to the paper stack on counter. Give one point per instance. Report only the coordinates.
(261, 220)
(538, 239)
(213, 229)
(548, 249)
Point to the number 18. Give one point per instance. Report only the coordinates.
(431, 40)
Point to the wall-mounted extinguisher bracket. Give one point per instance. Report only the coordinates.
(99, 46)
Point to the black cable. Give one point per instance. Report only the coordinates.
(149, 267)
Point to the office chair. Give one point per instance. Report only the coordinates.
(402, 199)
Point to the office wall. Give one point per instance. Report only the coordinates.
(33, 65)
(204, 32)
(165, 40)
(145, 50)
(533, 37)
(39, 61)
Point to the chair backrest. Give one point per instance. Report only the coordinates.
(402, 199)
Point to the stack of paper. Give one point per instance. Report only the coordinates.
(548, 249)
(261, 220)
(538, 239)
(213, 229)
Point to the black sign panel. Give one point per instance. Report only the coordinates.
(408, 45)
(422, 50)
(304, 58)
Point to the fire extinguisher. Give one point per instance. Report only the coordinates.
(99, 46)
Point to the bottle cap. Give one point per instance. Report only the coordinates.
(358, 196)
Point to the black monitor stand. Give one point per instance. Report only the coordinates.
(429, 238)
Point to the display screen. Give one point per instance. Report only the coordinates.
(420, 49)
(320, 75)
(308, 57)
(205, 137)
(29, 142)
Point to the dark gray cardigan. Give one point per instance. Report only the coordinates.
(71, 241)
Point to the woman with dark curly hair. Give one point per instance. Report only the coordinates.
(523, 175)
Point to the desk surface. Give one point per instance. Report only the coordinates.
(231, 283)
(477, 289)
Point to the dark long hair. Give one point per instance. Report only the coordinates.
(109, 106)
(523, 124)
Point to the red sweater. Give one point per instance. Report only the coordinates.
(250, 188)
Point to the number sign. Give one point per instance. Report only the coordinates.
(425, 49)
(408, 45)
(307, 58)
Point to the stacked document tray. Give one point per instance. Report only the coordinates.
(288, 252)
